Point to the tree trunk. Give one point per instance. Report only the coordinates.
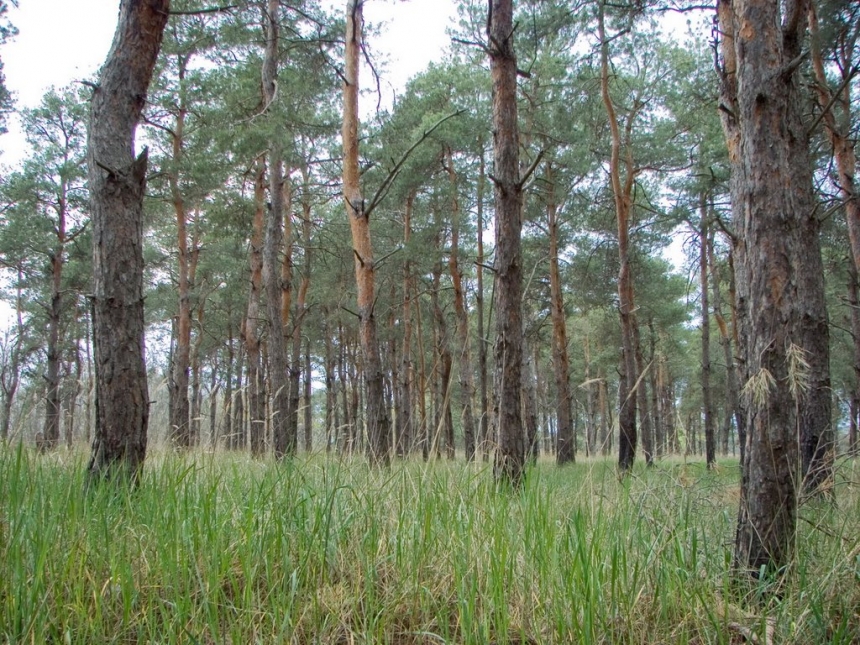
(484, 429)
(250, 332)
(622, 194)
(377, 416)
(707, 405)
(566, 444)
(732, 394)
(227, 428)
(308, 416)
(854, 307)
(464, 354)
(510, 451)
(117, 183)
(284, 442)
(771, 203)
(405, 424)
(51, 431)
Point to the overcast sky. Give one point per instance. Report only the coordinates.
(61, 41)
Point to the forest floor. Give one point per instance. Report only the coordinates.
(223, 549)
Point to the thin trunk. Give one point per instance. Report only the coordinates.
(484, 430)
(405, 423)
(180, 409)
(854, 306)
(227, 411)
(464, 354)
(51, 431)
(707, 405)
(308, 416)
(240, 428)
(377, 416)
(117, 184)
(196, 395)
(642, 399)
(732, 394)
(566, 445)
(622, 193)
(284, 442)
(251, 326)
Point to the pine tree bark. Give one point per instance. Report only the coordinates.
(510, 450)
(854, 305)
(622, 193)
(51, 431)
(484, 425)
(117, 182)
(377, 415)
(405, 424)
(773, 216)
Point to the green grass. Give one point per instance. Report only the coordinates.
(223, 549)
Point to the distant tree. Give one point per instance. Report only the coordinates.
(117, 182)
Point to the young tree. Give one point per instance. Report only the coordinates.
(117, 181)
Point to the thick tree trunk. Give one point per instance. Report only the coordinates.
(377, 415)
(510, 451)
(463, 351)
(566, 444)
(773, 212)
(117, 182)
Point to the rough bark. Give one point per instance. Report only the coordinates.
(117, 182)
(510, 450)
(854, 314)
(377, 415)
(772, 208)
(51, 430)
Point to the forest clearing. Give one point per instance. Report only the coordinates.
(225, 549)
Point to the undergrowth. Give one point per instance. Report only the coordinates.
(224, 549)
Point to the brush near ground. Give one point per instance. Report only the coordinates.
(224, 549)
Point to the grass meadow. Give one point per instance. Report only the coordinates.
(219, 548)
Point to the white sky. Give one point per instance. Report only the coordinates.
(61, 41)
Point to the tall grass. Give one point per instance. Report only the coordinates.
(223, 549)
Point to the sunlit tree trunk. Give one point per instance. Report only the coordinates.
(377, 416)
(510, 435)
(622, 193)
(117, 184)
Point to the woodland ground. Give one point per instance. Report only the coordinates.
(223, 549)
